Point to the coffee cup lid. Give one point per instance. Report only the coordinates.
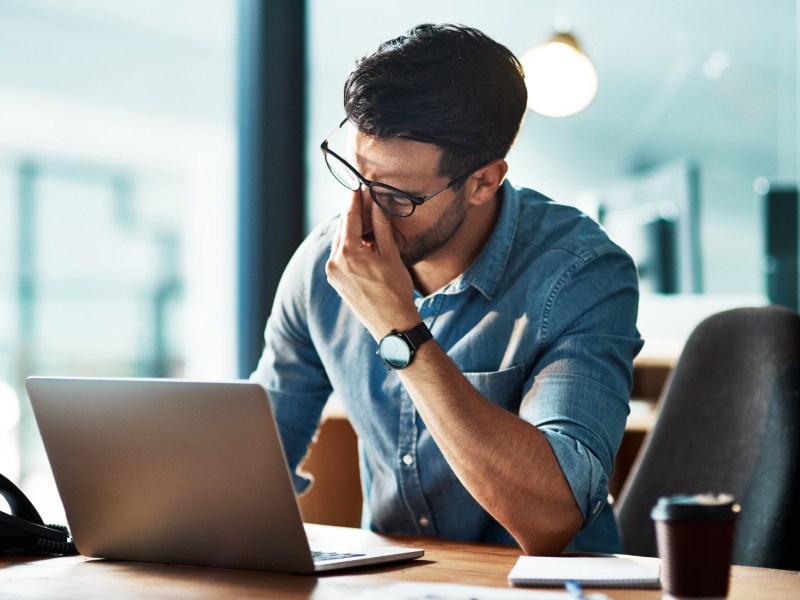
(696, 507)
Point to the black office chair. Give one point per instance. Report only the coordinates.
(729, 421)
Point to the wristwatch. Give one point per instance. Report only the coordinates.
(396, 349)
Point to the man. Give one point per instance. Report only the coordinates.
(504, 323)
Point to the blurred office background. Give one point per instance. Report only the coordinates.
(124, 179)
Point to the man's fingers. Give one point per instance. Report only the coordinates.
(337, 238)
(352, 226)
(382, 229)
(349, 228)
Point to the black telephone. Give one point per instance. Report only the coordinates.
(24, 531)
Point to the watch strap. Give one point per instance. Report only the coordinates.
(417, 335)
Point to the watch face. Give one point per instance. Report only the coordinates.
(395, 351)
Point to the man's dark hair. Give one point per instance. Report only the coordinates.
(447, 85)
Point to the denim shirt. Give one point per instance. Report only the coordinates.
(543, 324)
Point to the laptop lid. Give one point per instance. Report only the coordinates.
(175, 471)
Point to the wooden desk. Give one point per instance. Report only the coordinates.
(444, 561)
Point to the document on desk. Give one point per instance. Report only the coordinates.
(589, 571)
(456, 591)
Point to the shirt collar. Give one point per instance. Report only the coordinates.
(487, 271)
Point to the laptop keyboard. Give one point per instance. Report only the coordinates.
(319, 555)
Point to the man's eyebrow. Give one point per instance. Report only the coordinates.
(391, 175)
(413, 192)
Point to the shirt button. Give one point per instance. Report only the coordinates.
(408, 459)
(423, 521)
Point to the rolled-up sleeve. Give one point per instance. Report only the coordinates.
(579, 392)
(290, 369)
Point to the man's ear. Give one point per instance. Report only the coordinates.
(486, 180)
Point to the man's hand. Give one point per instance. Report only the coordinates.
(369, 274)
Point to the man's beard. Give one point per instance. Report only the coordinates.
(424, 244)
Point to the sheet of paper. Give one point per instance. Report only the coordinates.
(454, 591)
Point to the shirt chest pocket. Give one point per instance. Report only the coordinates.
(502, 388)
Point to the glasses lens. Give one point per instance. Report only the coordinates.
(342, 172)
(391, 201)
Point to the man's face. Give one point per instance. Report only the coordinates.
(412, 167)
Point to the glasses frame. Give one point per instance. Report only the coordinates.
(415, 200)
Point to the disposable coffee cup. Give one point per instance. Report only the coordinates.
(695, 537)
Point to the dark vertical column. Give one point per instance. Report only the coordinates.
(780, 209)
(271, 127)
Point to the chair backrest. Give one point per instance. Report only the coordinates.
(729, 421)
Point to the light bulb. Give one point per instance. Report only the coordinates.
(561, 80)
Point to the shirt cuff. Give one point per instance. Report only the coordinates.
(584, 472)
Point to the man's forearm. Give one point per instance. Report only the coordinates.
(505, 462)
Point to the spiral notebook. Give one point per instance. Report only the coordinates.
(589, 571)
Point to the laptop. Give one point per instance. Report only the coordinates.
(180, 472)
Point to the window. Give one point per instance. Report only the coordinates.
(117, 201)
(713, 83)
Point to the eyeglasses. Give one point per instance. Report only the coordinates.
(393, 201)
